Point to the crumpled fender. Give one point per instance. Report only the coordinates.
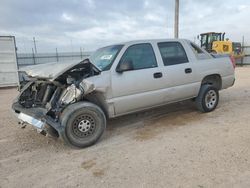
(87, 87)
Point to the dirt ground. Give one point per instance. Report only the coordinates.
(172, 146)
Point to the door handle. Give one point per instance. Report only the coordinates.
(157, 75)
(188, 70)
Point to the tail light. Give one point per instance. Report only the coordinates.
(233, 61)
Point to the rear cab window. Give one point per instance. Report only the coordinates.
(172, 53)
(199, 53)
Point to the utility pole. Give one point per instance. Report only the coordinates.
(176, 20)
(34, 40)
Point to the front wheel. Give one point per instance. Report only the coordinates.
(84, 123)
(207, 99)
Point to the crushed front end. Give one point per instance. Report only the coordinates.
(43, 98)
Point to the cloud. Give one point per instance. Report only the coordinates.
(91, 4)
(94, 23)
(66, 17)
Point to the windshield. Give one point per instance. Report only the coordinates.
(104, 57)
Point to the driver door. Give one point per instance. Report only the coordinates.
(137, 87)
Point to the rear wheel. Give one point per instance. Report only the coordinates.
(207, 99)
(84, 123)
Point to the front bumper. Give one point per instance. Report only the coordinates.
(38, 118)
(32, 121)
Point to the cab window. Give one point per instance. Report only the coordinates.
(141, 56)
(172, 53)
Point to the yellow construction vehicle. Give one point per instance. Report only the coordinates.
(216, 43)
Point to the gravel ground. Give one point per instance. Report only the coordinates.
(172, 146)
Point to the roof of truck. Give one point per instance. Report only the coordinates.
(152, 40)
(148, 41)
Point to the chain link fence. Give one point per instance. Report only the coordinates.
(33, 51)
(30, 53)
(25, 59)
(246, 59)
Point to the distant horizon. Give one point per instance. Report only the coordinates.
(59, 52)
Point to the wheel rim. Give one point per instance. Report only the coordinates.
(211, 99)
(84, 126)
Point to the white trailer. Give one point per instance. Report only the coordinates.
(8, 62)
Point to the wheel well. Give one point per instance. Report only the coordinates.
(214, 79)
(97, 100)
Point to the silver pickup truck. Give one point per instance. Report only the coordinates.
(73, 100)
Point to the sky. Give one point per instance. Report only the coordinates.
(69, 25)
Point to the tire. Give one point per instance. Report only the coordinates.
(83, 124)
(207, 99)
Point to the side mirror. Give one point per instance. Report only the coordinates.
(198, 37)
(125, 65)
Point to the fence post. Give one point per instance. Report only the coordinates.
(81, 52)
(57, 58)
(33, 56)
(243, 47)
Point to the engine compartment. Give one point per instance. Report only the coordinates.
(55, 94)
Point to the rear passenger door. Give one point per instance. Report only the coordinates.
(178, 70)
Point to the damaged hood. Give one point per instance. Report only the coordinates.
(52, 70)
